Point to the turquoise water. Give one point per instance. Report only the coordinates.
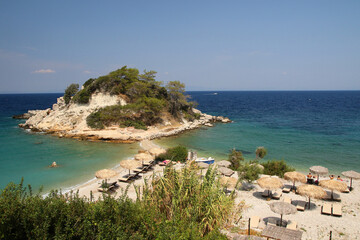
(303, 128)
(28, 155)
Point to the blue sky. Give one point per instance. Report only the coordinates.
(208, 45)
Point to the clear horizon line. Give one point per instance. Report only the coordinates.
(317, 90)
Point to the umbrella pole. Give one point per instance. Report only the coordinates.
(332, 196)
(350, 184)
(294, 185)
(309, 203)
(280, 220)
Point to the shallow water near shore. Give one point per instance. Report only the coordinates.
(303, 128)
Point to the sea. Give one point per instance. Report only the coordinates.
(304, 128)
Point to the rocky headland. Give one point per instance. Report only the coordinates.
(123, 106)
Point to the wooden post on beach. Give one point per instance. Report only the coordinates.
(249, 227)
(330, 235)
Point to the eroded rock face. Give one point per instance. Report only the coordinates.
(70, 117)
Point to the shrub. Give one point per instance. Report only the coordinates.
(260, 152)
(70, 91)
(249, 172)
(276, 167)
(178, 153)
(133, 123)
(235, 157)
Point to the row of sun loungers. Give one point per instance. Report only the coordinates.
(331, 209)
(276, 194)
(144, 168)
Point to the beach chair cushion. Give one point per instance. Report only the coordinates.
(254, 221)
(292, 225)
(300, 205)
(286, 189)
(287, 199)
(277, 194)
(336, 210)
(326, 209)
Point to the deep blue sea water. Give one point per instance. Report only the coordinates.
(303, 128)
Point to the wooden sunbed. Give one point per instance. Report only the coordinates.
(254, 221)
(300, 205)
(286, 189)
(277, 194)
(292, 225)
(326, 209)
(287, 199)
(126, 178)
(336, 210)
(111, 186)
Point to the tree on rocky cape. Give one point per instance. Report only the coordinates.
(177, 98)
(70, 91)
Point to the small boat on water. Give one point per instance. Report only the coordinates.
(209, 160)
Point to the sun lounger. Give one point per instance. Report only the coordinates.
(300, 205)
(110, 187)
(254, 221)
(326, 209)
(126, 178)
(287, 199)
(346, 191)
(266, 193)
(286, 189)
(336, 210)
(277, 194)
(148, 163)
(292, 225)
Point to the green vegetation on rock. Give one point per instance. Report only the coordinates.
(70, 91)
(146, 99)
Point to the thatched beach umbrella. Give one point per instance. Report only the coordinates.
(319, 170)
(333, 185)
(224, 163)
(202, 165)
(270, 183)
(351, 174)
(295, 177)
(282, 208)
(311, 191)
(143, 157)
(157, 151)
(228, 182)
(105, 173)
(225, 171)
(130, 164)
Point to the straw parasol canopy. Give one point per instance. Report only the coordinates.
(319, 170)
(143, 157)
(202, 165)
(282, 208)
(270, 183)
(351, 174)
(157, 151)
(224, 163)
(130, 164)
(105, 173)
(333, 185)
(228, 182)
(225, 171)
(295, 177)
(311, 191)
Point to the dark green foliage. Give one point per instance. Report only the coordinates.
(70, 91)
(140, 114)
(177, 99)
(178, 206)
(276, 167)
(178, 153)
(249, 172)
(235, 157)
(260, 152)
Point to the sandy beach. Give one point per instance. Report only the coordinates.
(312, 223)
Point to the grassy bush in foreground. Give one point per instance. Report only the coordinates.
(177, 206)
(276, 167)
